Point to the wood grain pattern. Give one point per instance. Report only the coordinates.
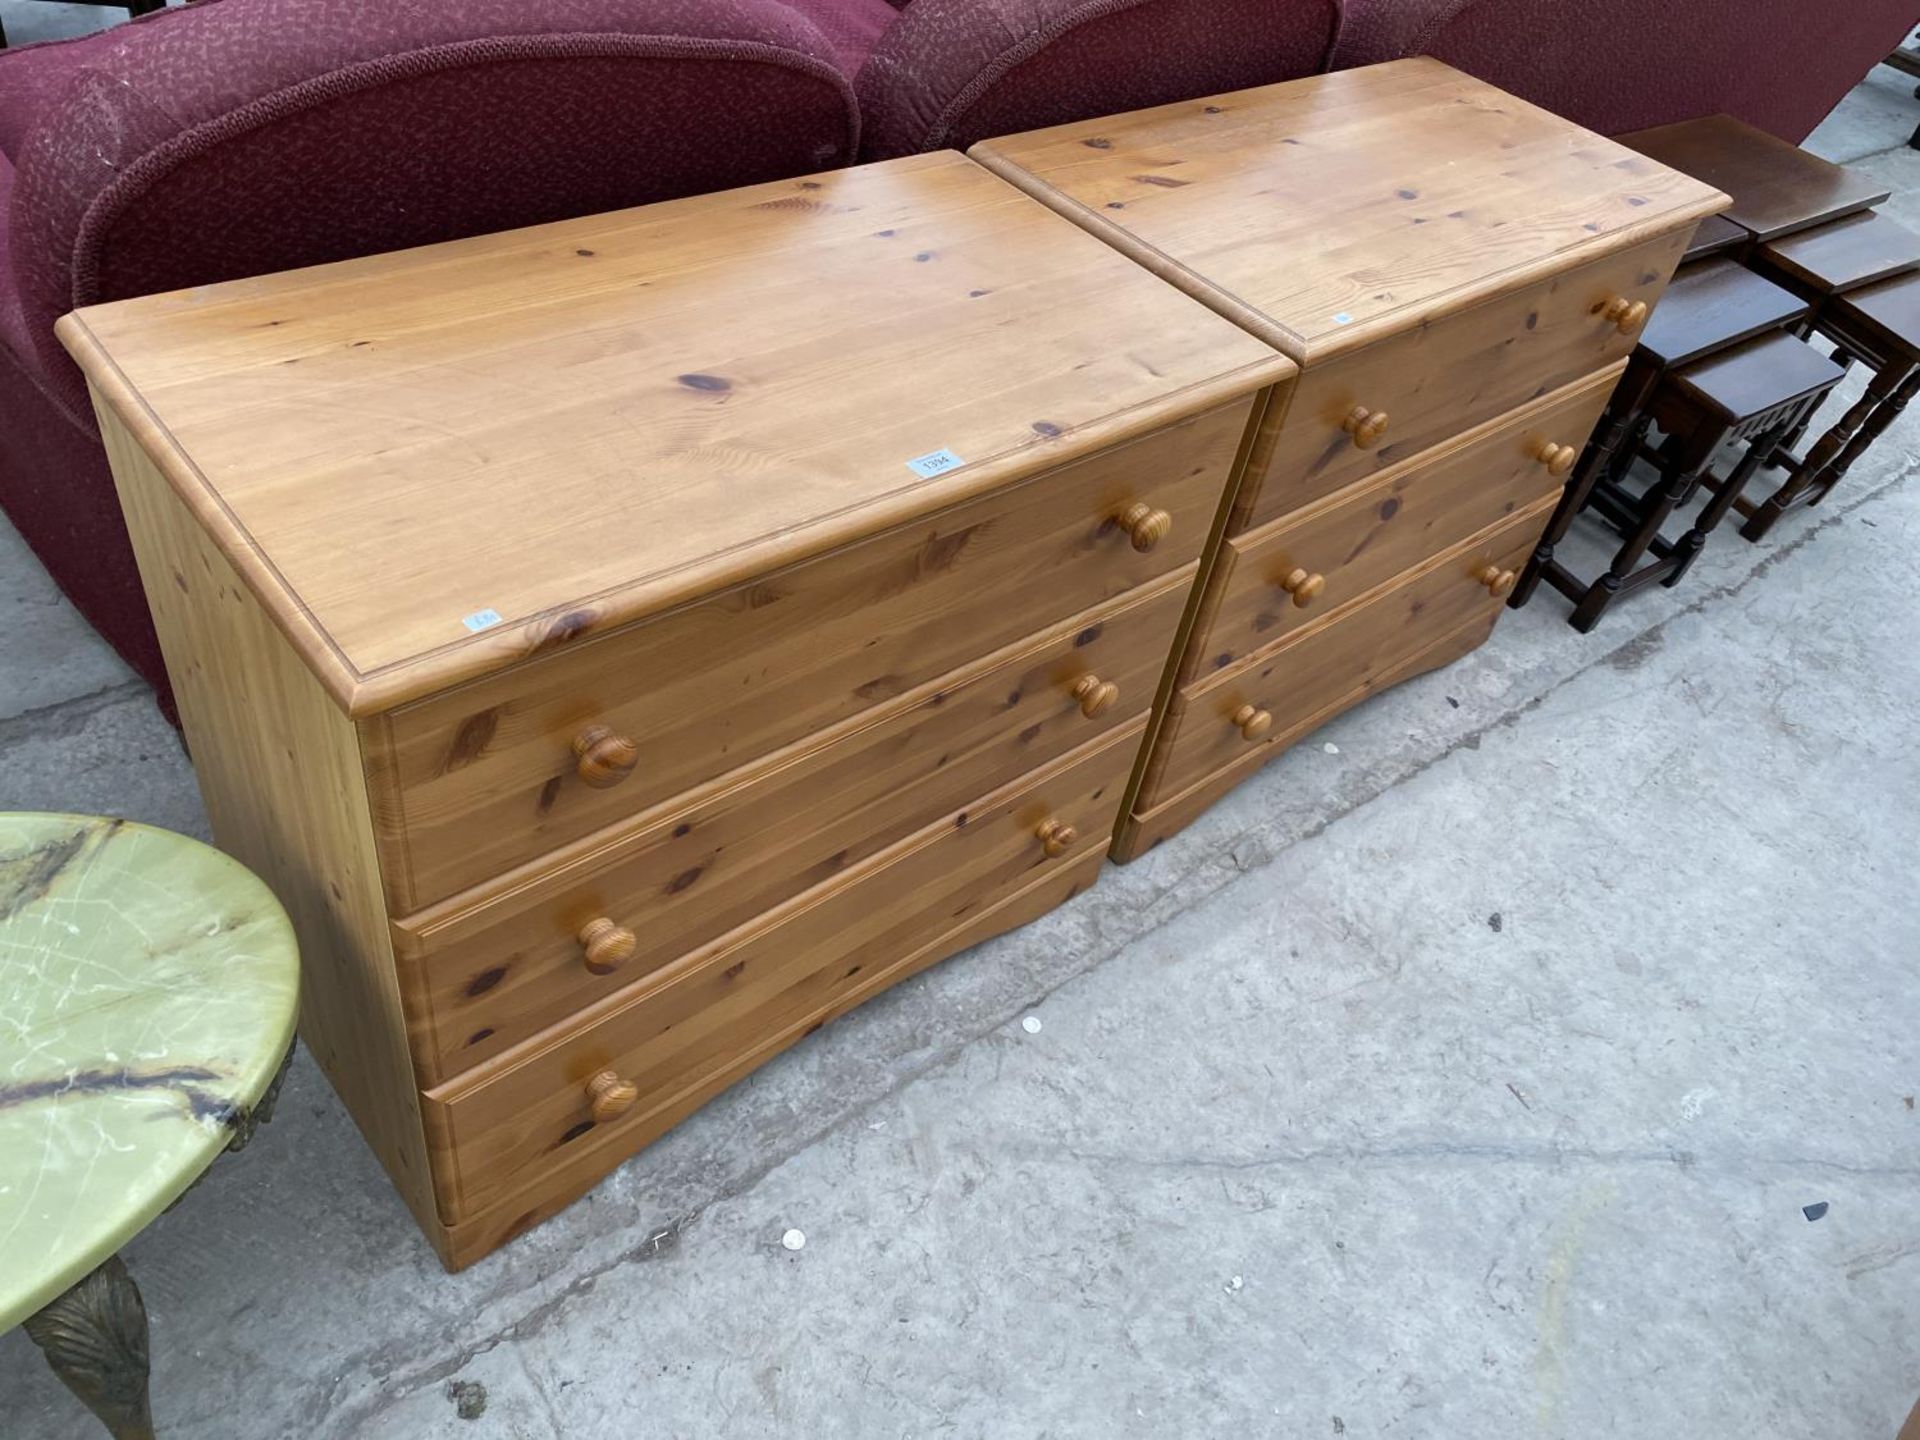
(1140, 831)
(280, 771)
(1311, 672)
(1441, 378)
(1325, 213)
(580, 424)
(499, 964)
(571, 1172)
(1367, 534)
(483, 778)
(687, 1027)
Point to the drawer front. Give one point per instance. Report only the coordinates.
(1146, 828)
(1435, 381)
(552, 1188)
(490, 975)
(1364, 536)
(691, 1027)
(1311, 677)
(486, 777)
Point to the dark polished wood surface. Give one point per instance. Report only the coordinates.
(1716, 235)
(1710, 306)
(1845, 255)
(1889, 313)
(1777, 188)
(1752, 379)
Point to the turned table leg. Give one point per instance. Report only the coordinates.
(1693, 458)
(1883, 415)
(1623, 419)
(95, 1338)
(1760, 453)
(1837, 449)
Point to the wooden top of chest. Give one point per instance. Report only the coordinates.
(580, 424)
(1324, 213)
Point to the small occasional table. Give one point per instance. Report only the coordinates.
(1777, 188)
(148, 986)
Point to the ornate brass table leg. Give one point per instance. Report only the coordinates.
(95, 1338)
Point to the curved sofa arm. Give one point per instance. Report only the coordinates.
(247, 136)
(950, 72)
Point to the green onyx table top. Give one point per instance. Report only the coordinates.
(147, 993)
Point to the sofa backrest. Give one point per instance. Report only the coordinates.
(950, 72)
(257, 135)
(1622, 65)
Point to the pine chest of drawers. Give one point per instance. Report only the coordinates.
(1460, 277)
(627, 643)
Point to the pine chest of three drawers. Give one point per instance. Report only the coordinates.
(1460, 277)
(628, 643)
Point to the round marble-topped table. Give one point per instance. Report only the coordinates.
(148, 987)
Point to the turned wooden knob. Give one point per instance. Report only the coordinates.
(605, 758)
(610, 1096)
(1365, 426)
(1252, 722)
(608, 946)
(1096, 696)
(1056, 837)
(1146, 525)
(1557, 458)
(1498, 582)
(1623, 314)
(1303, 586)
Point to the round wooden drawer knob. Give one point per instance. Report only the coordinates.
(1056, 837)
(610, 1096)
(1146, 525)
(605, 758)
(1252, 722)
(1365, 426)
(608, 946)
(1498, 582)
(1557, 458)
(1625, 315)
(1096, 696)
(1303, 586)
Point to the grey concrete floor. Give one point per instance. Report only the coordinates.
(1463, 1074)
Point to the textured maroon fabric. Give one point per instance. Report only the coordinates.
(59, 492)
(852, 27)
(257, 135)
(13, 333)
(32, 76)
(951, 72)
(1372, 31)
(1621, 65)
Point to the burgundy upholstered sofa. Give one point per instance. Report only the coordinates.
(1622, 65)
(238, 137)
(950, 72)
(247, 136)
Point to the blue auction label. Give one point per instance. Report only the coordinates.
(937, 462)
